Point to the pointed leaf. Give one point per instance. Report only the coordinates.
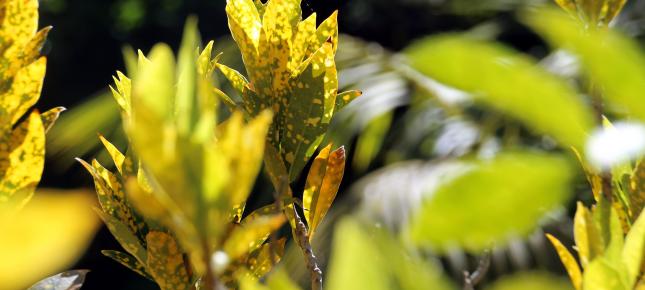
(49, 117)
(126, 238)
(128, 261)
(633, 254)
(601, 275)
(250, 235)
(588, 240)
(568, 261)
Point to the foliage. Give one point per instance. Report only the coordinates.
(62, 220)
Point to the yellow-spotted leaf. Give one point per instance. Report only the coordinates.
(587, 236)
(129, 261)
(568, 261)
(262, 261)
(166, 262)
(324, 178)
(250, 235)
(22, 157)
(116, 155)
(633, 254)
(506, 81)
(345, 97)
(45, 237)
(126, 238)
(19, 21)
(24, 92)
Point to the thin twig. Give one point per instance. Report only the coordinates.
(300, 234)
(472, 279)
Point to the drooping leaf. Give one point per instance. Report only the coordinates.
(166, 263)
(324, 178)
(70, 280)
(568, 261)
(507, 81)
(523, 185)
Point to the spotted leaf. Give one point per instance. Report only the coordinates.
(166, 263)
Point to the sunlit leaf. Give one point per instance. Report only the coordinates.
(588, 240)
(522, 185)
(602, 275)
(45, 237)
(569, 262)
(506, 81)
(70, 280)
(324, 178)
(637, 190)
(126, 238)
(25, 90)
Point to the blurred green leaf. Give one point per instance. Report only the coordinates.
(507, 81)
(492, 201)
(603, 275)
(612, 60)
(530, 281)
(634, 249)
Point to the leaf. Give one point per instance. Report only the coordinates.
(250, 235)
(354, 249)
(70, 280)
(237, 80)
(633, 254)
(530, 281)
(637, 190)
(588, 240)
(345, 98)
(262, 262)
(166, 263)
(601, 275)
(129, 261)
(126, 238)
(24, 91)
(19, 21)
(568, 5)
(22, 157)
(568, 261)
(185, 103)
(48, 235)
(322, 184)
(506, 81)
(622, 79)
(116, 155)
(49, 117)
(523, 185)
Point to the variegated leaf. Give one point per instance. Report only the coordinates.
(128, 261)
(166, 263)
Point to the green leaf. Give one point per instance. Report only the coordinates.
(521, 185)
(185, 102)
(354, 249)
(70, 280)
(589, 242)
(634, 250)
(602, 275)
(612, 60)
(506, 81)
(530, 281)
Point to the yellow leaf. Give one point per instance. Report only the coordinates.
(116, 155)
(49, 117)
(24, 92)
(19, 21)
(568, 261)
(633, 253)
(587, 236)
(45, 237)
(304, 37)
(567, 5)
(323, 180)
(22, 158)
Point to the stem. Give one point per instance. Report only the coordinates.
(472, 279)
(605, 175)
(209, 279)
(301, 236)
